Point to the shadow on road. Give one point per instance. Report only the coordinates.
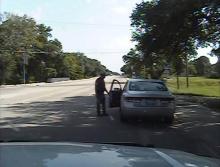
(195, 129)
(73, 119)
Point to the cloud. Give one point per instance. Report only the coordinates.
(206, 52)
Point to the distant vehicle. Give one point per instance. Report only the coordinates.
(58, 154)
(144, 97)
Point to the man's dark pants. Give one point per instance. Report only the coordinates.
(100, 100)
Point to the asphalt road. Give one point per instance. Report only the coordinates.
(66, 111)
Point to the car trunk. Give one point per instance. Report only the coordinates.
(149, 99)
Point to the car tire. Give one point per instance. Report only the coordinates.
(169, 119)
(123, 118)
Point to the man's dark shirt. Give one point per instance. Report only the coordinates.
(100, 86)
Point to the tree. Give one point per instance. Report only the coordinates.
(192, 69)
(77, 65)
(170, 30)
(202, 65)
(126, 69)
(72, 67)
(7, 68)
(91, 67)
(216, 67)
(134, 63)
(16, 33)
(22, 35)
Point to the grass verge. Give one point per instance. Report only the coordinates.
(199, 86)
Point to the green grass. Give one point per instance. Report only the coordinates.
(197, 86)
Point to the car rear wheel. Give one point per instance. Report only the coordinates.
(169, 119)
(123, 118)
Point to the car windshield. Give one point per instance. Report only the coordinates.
(146, 86)
(142, 72)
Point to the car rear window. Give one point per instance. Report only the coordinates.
(146, 86)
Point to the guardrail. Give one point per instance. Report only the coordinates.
(50, 80)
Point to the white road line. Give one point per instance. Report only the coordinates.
(112, 118)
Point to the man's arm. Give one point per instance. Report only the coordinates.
(106, 91)
(105, 88)
(96, 86)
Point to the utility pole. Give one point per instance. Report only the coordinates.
(24, 74)
(82, 67)
(177, 81)
(1, 14)
(144, 65)
(132, 73)
(25, 62)
(187, 75)
(145, 71)
(1, 17)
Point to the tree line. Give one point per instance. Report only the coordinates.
(26, 44)
(202, 67)
(168, 33)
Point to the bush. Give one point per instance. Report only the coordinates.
(214, 75)
(51, 72)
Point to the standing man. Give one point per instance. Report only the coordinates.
(100, 96)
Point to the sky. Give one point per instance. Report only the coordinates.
(99, 28)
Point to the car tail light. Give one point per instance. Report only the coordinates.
(168, 103)
(171, 104)
(132, 99)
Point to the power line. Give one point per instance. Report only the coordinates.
(86, 24)
(104, 52)
(22, 51)
(43, 52)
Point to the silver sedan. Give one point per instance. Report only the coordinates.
(145, 97)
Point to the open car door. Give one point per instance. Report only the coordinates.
(115, 94)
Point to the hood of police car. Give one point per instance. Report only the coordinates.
(55, 154)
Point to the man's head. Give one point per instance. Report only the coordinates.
(102, 75)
